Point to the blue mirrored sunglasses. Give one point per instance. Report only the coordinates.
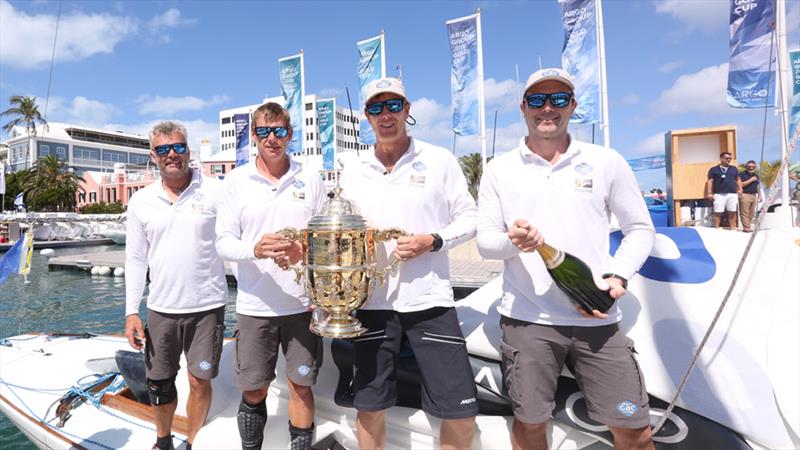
(179, 148)
(557, 99)
(394, 105)
(280, 132)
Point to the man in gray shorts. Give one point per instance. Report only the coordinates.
(557, 188)
(170, 223)
(269, 193)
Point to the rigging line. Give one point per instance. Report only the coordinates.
(766, 100)
(52, 61)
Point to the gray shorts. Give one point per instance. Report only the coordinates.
(199, 335)
(601, 358)
(257, 340)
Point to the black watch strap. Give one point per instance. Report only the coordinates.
(613, 275)
(438, 242)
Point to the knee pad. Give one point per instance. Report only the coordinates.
(251, 420)
(162, 392)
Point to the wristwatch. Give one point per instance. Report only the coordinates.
(438, 242)
(613, 275)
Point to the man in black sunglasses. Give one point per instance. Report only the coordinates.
(271, 192)
(170, 232)
(556, 188)
(419, 187)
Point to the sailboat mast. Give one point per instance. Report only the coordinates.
(784, 92)
(601, 47)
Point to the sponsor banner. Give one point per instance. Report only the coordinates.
(241, 123)
(325, 122)
(464, 79)
(371, 66)
(580, 57)
(291, 74)
(648, 162)
(751, 83)
(794, 103)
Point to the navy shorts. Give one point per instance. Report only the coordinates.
(448, 387)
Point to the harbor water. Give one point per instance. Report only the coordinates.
(67, 302)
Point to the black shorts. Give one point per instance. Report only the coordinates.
(448, 387)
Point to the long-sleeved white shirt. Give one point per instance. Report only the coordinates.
(570, 203)
(253, 206)
(426, 192)
(176, 242)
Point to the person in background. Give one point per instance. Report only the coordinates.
(170, 232)
(748, 199)
(723, 187)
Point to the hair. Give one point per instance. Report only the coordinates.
(724, 153)
(166, 128)
(750, 162)
(272, 111)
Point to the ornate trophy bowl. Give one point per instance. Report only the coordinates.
(340, 269)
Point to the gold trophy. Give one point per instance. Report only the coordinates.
(340, 267)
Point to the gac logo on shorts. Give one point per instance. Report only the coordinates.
(467, 401)
(627, 408)
(204, 365)
(304, 370)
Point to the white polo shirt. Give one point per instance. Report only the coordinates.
(426, 192)
(570, 203)
(176, 242)
(251, 207)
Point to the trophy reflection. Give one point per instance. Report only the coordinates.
(340, 269)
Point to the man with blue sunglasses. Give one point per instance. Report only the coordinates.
(169, 223)
(419, 187)
(553, 187)
(271, 192)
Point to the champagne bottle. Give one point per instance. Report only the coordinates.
(574, 277)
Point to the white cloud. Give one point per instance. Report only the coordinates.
(26, 41)
(197, 129)
(702, 92)
(165, 106)
(703, 15)
(670, 66)
(651, 145)
(171, 18)
(629, 99)
(502, 95)
(79, 110)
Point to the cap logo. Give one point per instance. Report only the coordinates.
(383, 84)
(549, 73)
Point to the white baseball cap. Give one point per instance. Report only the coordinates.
(384, 85)
(549, 74)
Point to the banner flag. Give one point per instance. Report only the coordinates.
(325, 121)
(241, 123)
(464, 79)
(18, 258)
(291, 74)
(794, 103)
(2, 180)
(580, 57)
(647, 163)
(19, 200)
(371, 66)
(751, 25)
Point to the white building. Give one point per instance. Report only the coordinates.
(82, 148)
(346, 136)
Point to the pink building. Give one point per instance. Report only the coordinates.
(112, 187)
(220, 164)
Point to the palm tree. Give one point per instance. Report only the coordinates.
(50, 186)
(472, 166)
(23, 110)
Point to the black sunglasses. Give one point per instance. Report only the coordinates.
(394, 105)
(280, 132)
(179, 148)
(557, 99)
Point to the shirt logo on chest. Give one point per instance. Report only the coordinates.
(584, 168)
(417, 181)
(583, 184)
(419, 166)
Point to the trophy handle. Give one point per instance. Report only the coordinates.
(386, 235)
(293, 234)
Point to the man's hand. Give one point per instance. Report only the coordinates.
(524, 236)
(293, 255)
(134, 331)
(615, 291)
(272, 245)
(409, 247)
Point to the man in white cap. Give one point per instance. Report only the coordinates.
(556, 188)
(418, 187)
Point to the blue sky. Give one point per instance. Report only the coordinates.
(125, 65)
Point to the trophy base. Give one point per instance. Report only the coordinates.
(335, 328)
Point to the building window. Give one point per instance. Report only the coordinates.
(86, 153)
(141, 160)
(226, 120)
(217, 169)
(309, 106)
(115, 156)
(92, 197)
